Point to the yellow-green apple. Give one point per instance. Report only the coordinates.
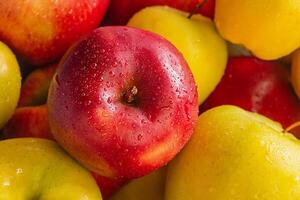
(257, 86)
(149, 187)
(196, 38)
(10, 83)
(120, 11)
(34, 90)
(32, 121)
(235, 154)
(42, 30)
(259, 25)
(40, 169)
(123, 102)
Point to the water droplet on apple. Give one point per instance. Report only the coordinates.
(109, 100)
(111, 73)
(139, 137)
(87, 103)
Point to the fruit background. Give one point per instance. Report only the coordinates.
(150, 99)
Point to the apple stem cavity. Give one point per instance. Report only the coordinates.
(197, 8)
(130, 96)
(293, 126)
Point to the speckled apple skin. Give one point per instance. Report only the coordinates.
(42, 30)
(89, 119)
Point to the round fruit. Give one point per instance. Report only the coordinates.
(10, 83)
(123, 102)
(235, 154)
(40, 169)
(196, 38)
(42, 30)
(270, 29)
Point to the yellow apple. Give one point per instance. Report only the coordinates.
(40, 169)
(296, 72)
(150, 187)
(10, 83)
(270, 29)
(197, 39)
(235, 154)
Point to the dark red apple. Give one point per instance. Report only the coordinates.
(258, 86)
(120, 11)
(123, 102)
(42, 30)
(34, 89)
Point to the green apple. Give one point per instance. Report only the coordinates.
(197, 39)
(10, 83)
(150, 187)
(40, 169)
(235, 154)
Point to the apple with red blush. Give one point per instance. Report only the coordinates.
(31, 121)
(41, 31)
(120, 11)
(31, 117)
(34, 90)
(259, 86)
(123, 102)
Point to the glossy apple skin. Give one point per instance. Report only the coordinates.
(35, 88)
(41, 31)
(258, 86)
(10, 83)
(88, 114)
(197, 39)
(34, 168)
(240, 155)
(120, 11)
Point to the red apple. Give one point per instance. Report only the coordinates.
(41, 31)
(120, 11)
(29, 121)
(34, 90)
(31, 118)
(123, 102)
(258, 86)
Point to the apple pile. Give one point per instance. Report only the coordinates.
(150, 99)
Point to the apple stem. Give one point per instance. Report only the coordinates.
(130, 95)
(197, 8)
(293, 126)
